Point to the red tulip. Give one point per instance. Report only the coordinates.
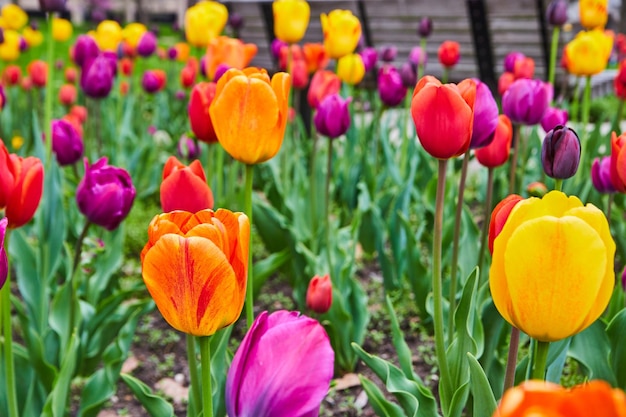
(618, 162)
(449, 53)
(38, 72)
(67, 94)
(201, 97)
(497, 152)
(71, 75)
(300, 74)
(499, 216)
(12, 75)
(184, 187)
(187, 76)
(524, 68)
(504, 82)
(319, 295)
(126, 66)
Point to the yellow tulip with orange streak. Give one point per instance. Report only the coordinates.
(195, 267)
(593, 13)
(249, 113)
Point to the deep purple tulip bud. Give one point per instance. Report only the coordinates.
(601, 175)
(485, 116)
(150, 82)
(509, 60)
(369, 57)
(4, 261)
(23, 44)
(553, 117)
(180, 95)
(203, 66)
(1, 36)
(34, 25)
(556, 13)
(172, 53)
(388, 53)
(408, 75)
(332, 118)
(105, 195)
(96, 78)
(187, 148)
(391, 89)
(560, 153)
(294, 382)
(235, 21)
(277, 44)
(418, 56)
(147, 44)
(85, 49)
(425, 27)
(67, 144)
(52, 5)
(175, 26)
(219, 71)
(526, 101)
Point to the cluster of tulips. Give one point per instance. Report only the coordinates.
(552, 273)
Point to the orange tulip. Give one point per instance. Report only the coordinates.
(195, 267)
(323, 83)
(229, 51)
(618, 162)
(524, 68)
(444, 115)
(185, 187)
(254, 133)
(200, 101)
(315, 56)
(182, 51)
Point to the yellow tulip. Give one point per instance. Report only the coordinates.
(13, 17)
(204, 22)
(351, 69)
(10, 49)
(133, 32)
(108, 35)
(32, 37)
(17, 142)
(254, 132)
(61, 29)
(342, 31)
(291, 18)
(552, 270)
(593, 13)
(589, 52)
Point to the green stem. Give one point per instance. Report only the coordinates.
(486, 219)
(575, 100)
(540, 360)
(193, 374)
(210, 163)
(327, 205)
(444, 75)
(618, 116)
(404, 157)
(511, 360)
(513, 166)
(248, 211)
(10, 390)
(608, 208)
(78, 248)
(440, 347)
(558, 184)
(49, 91)
(553, 51)
(219, 175)
(455, 246)
(420, 67)
(313, 191)
(205, 363)
(583, 132)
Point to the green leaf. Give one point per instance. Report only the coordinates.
(57, 399)
(402, 349)
(379, 403)
(616, 331)
(60, 312)
(484, 401)
(264, 268)
(591, 348)
(154, 405)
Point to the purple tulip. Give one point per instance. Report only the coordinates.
(623, 279)
(180, 95)
(52, 5)
(277, 44)
(96, 78)
(23, 44)
(105, 194)
(85, 49)
(509, 60)
(556, 13)
(187, 148)
(111, 58)
(67, 144)
(283, 368)
(553, 117)
(235, 21)
(485, 116)
(203, 66)
(526, 101)
(1, 36)
(388, 53)
(219, 71)
(601, 175)
(332, 118)
(391, 89)
(4, 261)
(3, 97)
(425, 27)
(408, 75)
(560, 153)
(369, 57)
(34, 25)
(150, 82)
(418, 56)
(172, 53)
(147, 44)
(98, 15)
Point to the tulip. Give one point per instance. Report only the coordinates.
(21, 186)
(556, 13)
(319, 295)
(126, 66)
(61, 29)
(1, 35)
(485, 116)
(195, 267)
(187, 77)
(291, 19)
(32, 37)
(147, 44)
(204, 22)
(391, 89)
(182, 51)
(418, 57)
(425, 27)
(283, 55)
(12, 75)
(67, 144)
(24, 43)
(132, 33)
(524, 68)
(184, 187)
(369, 56)
(504, 82)
(323, 83)
(276, 47)
(10, 48)
(80, 112)
(299, 74)
(4, 261)
(510, 59)
(96, 78)
(3, 97)
(593, 13)
(499, 216)
(497, 152)
(220, 70)
(187, 148)
(294, 382)
(105, 194)
(536, 189)
(560, 153)
(228, 51)
(350, 69)
(526, 101)
(171, 53)
(408, 75)
(315, 56)
(150, 82)
(342, 31)
(619, 82)
(38, 72)
(108, 35)
(388, 53)
(235, 21)
(200, 101)
(254, 133)
(589, 52)
(549, 250)
(70, 75)
(618, 162)
(449, 53)
(443, 115)
(67, 94)
(85, 49)
(332, 118)
(13, 17)
(601, 175)
(624, 279)
(52, 5)
(26, 83)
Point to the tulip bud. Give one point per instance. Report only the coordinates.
(425, 27)
(70, 75)
(332, 118)
(67, 144)
(504, 82)
(150, 82)
(96, 78)
(553, 117)
(369, 57)
(408, 75)
(1, 36)
(202, 96)
(219, 71)
(449, 53)
(147, 44)
(52, 5)
(80, 112)
(323, 83)
(38, 71)
(536, 189)
(510, 59)
(67, 94)
(560, 153)
(85, 49)
(524, 68)
(277, 45)
(485, 116)
(556, 13)
(188, 148)
(12, 75)
(105, 195)
(418, 56)
(388, 53)
(319, 295)
(601, 175)
(171, 53)
(4, 261)
(391, 90)
(235, 21)
(184, 187)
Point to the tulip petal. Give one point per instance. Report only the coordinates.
(185, 190)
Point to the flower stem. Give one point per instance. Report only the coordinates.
(219, 174)
(511, 361)
(248, 211)
(455, 246)
(205, 363)
(193, 373)
(553, 51)
(49, 91)
(444, 75)
(485, 230)
(513, 167)
(404, 157)
(540, 360)
(420, 67)
(313, 189)
(440, 347)
(327, 205)
(558, 184)
(11, 393)
(609, 203)
(584, 120)
(78, 248)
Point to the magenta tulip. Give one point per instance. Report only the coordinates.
(4, 261)
(601, 175)
(332, 118)
(525, 101)
(391, 90)
(485, 116)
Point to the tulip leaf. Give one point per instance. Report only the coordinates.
(57, 399)
(60, 313)
(591, 348)
(382, 406)
(495, 346)
(402, 348)
(484, 401)
(264, 268)
(155, 405)
(616, 332)
(109, 262)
